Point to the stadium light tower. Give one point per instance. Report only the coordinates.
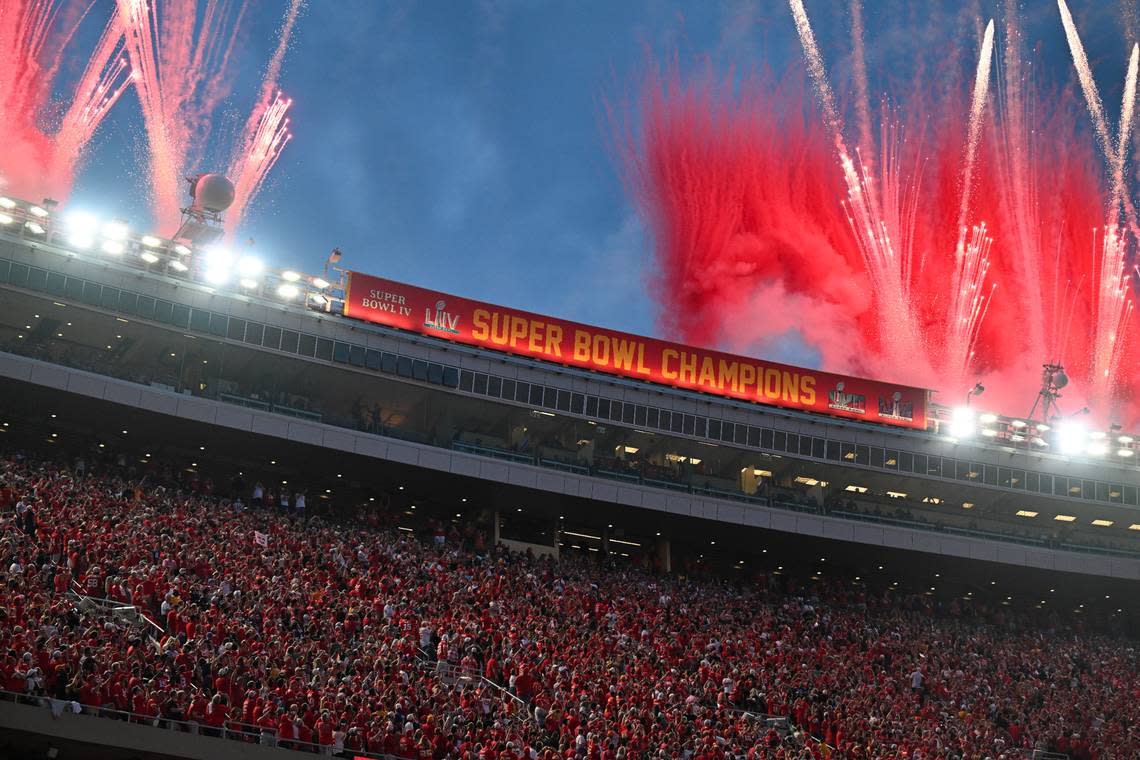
(1053, 379)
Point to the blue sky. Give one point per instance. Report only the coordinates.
(465, 147)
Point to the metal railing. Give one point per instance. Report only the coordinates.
(230, 729)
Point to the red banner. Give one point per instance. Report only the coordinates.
(474, 323)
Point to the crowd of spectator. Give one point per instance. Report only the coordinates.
(346, 636)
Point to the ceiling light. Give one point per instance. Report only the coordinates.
(1026, 513)
(1102, 523)
(1065, 518)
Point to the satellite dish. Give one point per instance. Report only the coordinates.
(212, 192)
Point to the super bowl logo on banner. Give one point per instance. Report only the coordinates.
(895, 408)
(441, 320)
(840, 400)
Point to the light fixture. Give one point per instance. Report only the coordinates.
(250, 267)
(150, 241)
(1125, 452)
(249, 284)
(1103, 523)
(148, 257)
(116, 229)
(988, 418)
(1065, 518)
(290, 275)
(287, 290)
(113, 247)
(1017, 423)
(34, 227)
(962, 423)
(181, 250)
(178, 266)
(1026, 513)
(5, 219)
(39, 211)
(1071, 437)
(319, 299)
(320, 283)
(1124, 439)
(7, 202)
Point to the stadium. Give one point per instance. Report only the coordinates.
(257, 511)
(252, 512)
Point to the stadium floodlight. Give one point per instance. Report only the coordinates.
(1071, 437)
(5, 219)
(320, 283)
(34, 227)
(319, 299)
(290, 275)
(150, 241)
(1125, 452)
(249, 283)
(113, 247)
(250, 267)
(116, 229)
(219, 262)
(1017, 423)
(181, 250)
(81, 226)
(1124, 439)
(988, 418)
(962, 423)
(6, 202)
(178, 266)
(288, 290)
(148, 257)
(39, 211)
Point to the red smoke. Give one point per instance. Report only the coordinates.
(743, 193)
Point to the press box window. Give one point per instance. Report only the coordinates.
(355, 353)
(480, 386)
(307, 346)
(466, 380)
(340, 350)
(494, 386)
(419, 369)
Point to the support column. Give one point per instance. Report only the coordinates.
(664, 555)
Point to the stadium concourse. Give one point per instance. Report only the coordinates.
(371, 629)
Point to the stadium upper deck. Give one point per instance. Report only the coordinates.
(148, 311)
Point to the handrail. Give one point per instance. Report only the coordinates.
(258, 734)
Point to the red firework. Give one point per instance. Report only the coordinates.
(926, 262)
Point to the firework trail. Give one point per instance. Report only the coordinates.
(179, 54)
(259, 153)
(266, 130)
(34, 35)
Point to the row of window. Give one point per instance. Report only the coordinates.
(540, 396)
